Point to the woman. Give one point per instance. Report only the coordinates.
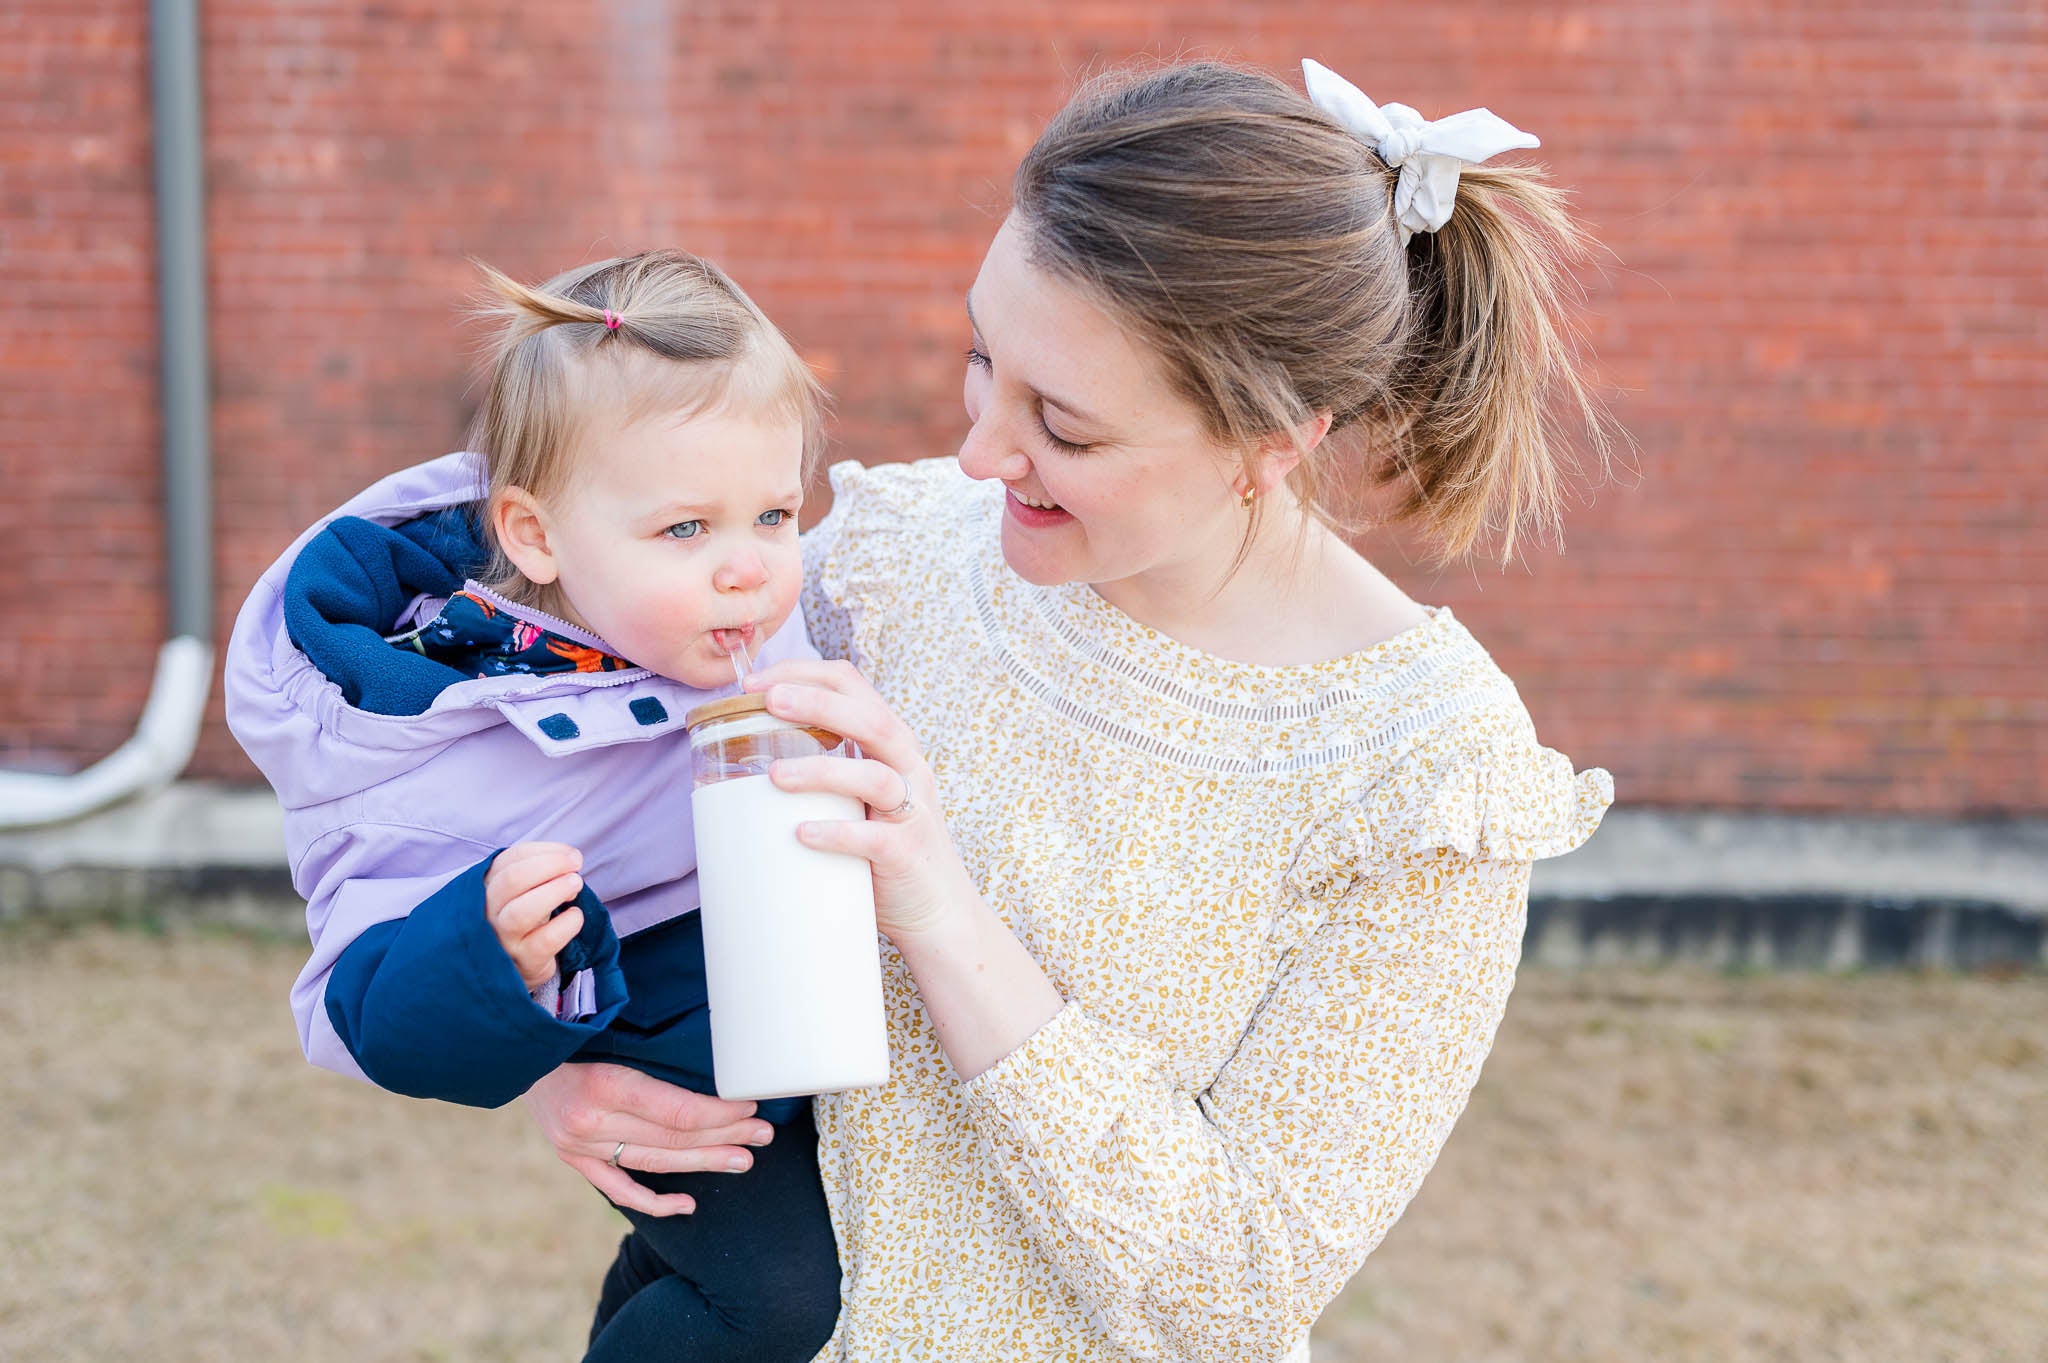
(1201, 850)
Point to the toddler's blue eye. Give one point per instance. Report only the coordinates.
(684, 530)
(771, 519)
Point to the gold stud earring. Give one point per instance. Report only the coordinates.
(1246, 502)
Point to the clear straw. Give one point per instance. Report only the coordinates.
(739, 662)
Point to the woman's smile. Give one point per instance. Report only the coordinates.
(1034, 514)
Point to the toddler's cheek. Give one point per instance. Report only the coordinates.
(789, 583)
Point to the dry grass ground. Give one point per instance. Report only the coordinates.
(1661, 1166)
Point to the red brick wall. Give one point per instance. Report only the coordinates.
(1821, 586)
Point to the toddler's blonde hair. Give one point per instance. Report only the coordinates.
(662, 331)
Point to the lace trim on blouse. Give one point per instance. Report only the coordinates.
(1059, 702)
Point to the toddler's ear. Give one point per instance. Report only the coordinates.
(522, 533)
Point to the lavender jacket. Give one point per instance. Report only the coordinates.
(401, 779)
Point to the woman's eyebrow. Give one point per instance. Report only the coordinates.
(1077, 413)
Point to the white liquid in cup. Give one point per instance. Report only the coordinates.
(791, 960)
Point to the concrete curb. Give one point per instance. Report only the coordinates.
(1670, 853)
(1772, 891)
(192, 852)
(1730, 890)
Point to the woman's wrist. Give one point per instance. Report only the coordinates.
(984, 993)
(946, 918)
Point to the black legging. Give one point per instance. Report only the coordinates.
(752, 1276)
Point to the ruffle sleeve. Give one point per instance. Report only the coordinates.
(1486, 796)
(863, 555)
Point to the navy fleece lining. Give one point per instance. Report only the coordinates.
(349, 585)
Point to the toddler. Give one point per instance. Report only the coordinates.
(468, 687)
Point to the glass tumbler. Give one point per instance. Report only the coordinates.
(791, 957)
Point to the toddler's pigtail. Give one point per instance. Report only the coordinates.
(514, 311)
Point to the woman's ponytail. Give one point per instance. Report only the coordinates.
(1491, 389)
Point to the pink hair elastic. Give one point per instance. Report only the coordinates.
(612, 320)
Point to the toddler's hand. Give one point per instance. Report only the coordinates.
(526, 884)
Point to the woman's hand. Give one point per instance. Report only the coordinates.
(919, 881)
(983, 992)
(588, 1111)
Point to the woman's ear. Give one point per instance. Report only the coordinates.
(1277, 456)
(522, 533)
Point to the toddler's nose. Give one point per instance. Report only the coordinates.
(742, 572)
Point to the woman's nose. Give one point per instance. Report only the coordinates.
(989, 452)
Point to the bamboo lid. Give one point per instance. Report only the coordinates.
(734, 707)
(755, 703)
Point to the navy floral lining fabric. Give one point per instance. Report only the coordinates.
(477, 637)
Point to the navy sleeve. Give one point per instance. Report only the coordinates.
(432, 1007)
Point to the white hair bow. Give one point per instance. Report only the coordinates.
(1428, 155)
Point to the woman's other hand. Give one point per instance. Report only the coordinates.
(606, 1119)
(918, 877)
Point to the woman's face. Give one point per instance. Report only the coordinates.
(1111, 478)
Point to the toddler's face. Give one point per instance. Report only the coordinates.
(675, 538)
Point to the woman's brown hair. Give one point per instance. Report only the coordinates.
(663, 331)
(1250, 239)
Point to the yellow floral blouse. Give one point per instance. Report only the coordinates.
(1284, 905)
